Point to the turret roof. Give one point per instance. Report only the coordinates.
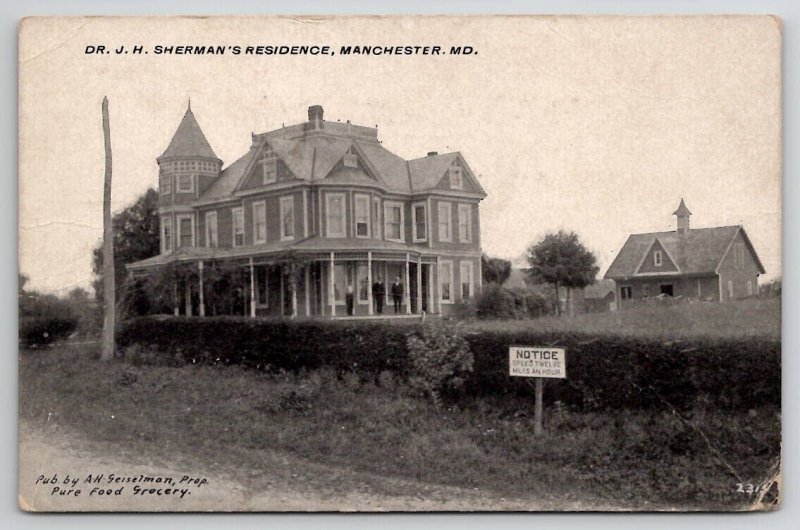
(188, 140)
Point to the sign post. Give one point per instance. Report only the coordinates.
(538, 362)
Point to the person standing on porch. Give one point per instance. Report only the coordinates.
(397, 294)
(348, 297)
(378, 293)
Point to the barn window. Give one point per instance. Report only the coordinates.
(626, 292)
(738, 254)
(657, 258)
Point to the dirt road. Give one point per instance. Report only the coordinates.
(146, 482)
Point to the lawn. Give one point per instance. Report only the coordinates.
(755, 317)
(629, 459)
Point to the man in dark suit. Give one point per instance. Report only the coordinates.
(378, 292)
(397, 294)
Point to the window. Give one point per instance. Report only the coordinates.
(657, 259)
(185, 230)
(238, 227)
(645, 291)
(350, 159)
(466, 280)
(362, 283)
(730, 289)
(393, 221)
(446, 280)
(211, 229)
(166, 184)
(185, 183)
(456, 180)
(335, 210)
(376, 212)
(445, 218)
(259, 222)
(362, 215)
(287, 217)
(262, 286)
(269, 166)
(626, 292)
(339, 282)
(699, 289)
(738, 255)
(166, 234)
(419, 214)
(749, 288)
(465, 223)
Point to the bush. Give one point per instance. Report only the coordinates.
(531, 304)
(39, 331)
(439, 360)
(495, 302)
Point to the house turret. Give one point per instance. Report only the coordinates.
(189, 165)
(683, 214)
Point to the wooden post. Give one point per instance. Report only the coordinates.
(332, 287)
(252, 290)
(537, 411)
(202, 297)
(307, 288)
(407, 288)
(109, 306)
(419, 285)
(369, 283)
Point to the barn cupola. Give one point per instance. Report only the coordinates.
(188, 165)
(683, 214)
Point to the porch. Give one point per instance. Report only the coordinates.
(331, 285)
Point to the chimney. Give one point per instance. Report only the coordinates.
(682, 213)
(315, 116)
(433, 153)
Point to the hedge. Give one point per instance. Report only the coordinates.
(38, 331)
(602, 372)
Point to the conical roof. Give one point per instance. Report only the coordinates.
(682, 210)
(188, 140)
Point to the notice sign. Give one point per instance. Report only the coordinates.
(537, 361)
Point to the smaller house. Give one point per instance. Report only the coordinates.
(600, 297)
(716, 264)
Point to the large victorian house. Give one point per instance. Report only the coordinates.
(328, 201)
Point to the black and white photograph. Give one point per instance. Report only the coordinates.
(400, 264)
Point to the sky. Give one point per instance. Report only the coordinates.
(597, 125)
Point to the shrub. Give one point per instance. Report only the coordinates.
(531, 304)
(42, 330)
(440, 359)
(495, 302)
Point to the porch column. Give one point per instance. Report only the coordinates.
(188, 300)
(252, 290)
(202, 297)
(407, 290)
(307, 289)
(419, 285)
(332, 288)
(175, 310)
(431, 309)
(369, 283)
(293, 287)
(438, 286)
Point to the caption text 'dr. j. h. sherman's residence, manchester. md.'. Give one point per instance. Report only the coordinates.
(350, 219)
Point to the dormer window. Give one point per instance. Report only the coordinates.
(657, 258)
(350, 159)
(269, 166)
(456, 180)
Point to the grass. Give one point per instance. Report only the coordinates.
(633, 460)
(755, 317)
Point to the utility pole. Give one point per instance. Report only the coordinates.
(109, 305)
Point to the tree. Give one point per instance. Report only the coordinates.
(562, 260)
(135, 238)
(495, 270)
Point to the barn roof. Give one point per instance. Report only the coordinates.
(699, 251)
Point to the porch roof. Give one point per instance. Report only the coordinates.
(313, 244)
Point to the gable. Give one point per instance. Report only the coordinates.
(657, 260)
(352, 168)
(266, 167)
(741, 256)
